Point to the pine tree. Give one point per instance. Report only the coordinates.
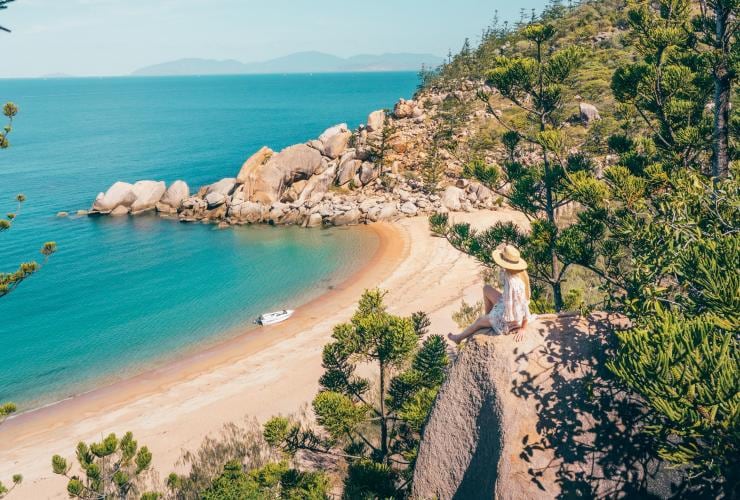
(668, 261)
(536, 86)
(113, 468)
(669, 87)
(9, 281)
(717, 27)
(374, 427)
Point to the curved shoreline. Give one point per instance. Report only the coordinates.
(391, 250)
(254, 376)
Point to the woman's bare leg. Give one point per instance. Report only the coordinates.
(479, 324)
(490, 297)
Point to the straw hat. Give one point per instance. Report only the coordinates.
(509, 258)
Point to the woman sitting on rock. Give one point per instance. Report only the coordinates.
(506, 312)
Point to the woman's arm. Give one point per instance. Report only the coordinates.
(520, 331)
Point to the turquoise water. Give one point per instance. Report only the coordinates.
(126, 294)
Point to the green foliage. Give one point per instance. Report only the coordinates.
(273, 481)
(10, 110)
(536, 85)
(113, 468)
(7, 409)
(374, 426)
(668, 260)
(688, 369)
(438, 223)
(670, 86)
(369, 480)
(10, 280)
(380, 148)
(467, 314)
(4, 490)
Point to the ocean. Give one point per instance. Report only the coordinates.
(123, 295)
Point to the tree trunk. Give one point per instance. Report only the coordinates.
(557, 294)
(383, 422)
(722, 92)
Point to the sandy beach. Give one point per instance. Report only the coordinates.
(269, 371)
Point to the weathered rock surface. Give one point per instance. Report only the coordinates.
(148, 194)
(175, 194)
(347, 218)
(119, 194)
(268, 181)
(335, 139)
(252, 163)
(589, 113)
(224, 187)
(404, 109)
(451, 198)
(120, 210)
(375, 120)
(541, 418)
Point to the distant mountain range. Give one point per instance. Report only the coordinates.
(300, 62)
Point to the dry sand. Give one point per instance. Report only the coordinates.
(274, 370)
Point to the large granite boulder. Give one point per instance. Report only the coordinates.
(224, 186)
(335, 140)
(253, 162)
(404, 109)
(248, 211)
(148, 194)
(314, 220)
(317, 185)
(375, 120)
(589, 113)
(368, 173)
(267, 182)
(540, 418)
(452, 198)
(350, 217)
(119, 194)
(347, 170)
(176, 194)
(215, 199)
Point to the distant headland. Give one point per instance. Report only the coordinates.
(299, 62)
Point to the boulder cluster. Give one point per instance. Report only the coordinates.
(336, 179)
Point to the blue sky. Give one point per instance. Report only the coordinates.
(114, 37)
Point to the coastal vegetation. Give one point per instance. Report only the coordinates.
(655, 226)
(113, 468)
(9, 281)
(635, 195)
(372, 425)
(238, 463)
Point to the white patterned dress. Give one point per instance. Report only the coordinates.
(513, 306)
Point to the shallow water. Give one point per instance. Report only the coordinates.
(125, 294)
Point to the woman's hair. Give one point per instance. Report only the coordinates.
(524, 276)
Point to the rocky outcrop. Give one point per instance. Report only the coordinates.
(148, 194)
(541, 418)
(267, 182)
(119, 194)
(252, 163)
(339, 178)
(173, 198)
(375, 121)
(334, 140)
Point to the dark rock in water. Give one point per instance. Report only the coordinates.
(541, 418)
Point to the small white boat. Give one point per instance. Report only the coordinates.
(274, 317)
